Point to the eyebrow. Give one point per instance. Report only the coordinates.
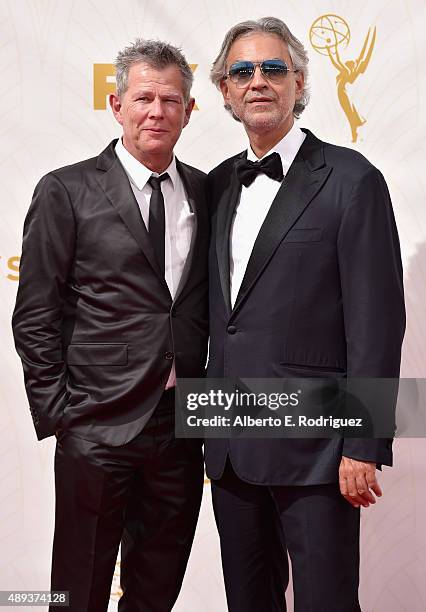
(149, 90)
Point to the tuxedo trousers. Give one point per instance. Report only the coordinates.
(258, 524)
(145, 494)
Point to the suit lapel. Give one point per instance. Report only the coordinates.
(115, 183)
(225, 213)
(304, 179)
(194, 199)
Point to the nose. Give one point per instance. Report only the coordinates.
(156, 108)
(258, 81)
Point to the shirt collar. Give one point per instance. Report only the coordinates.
(287, 147)
(137, 172)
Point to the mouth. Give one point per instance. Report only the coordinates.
(154, 130)
(259, 99)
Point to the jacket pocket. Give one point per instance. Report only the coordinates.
(304, 235)
(97, 354)
(312, 371)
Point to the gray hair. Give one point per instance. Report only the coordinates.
(266, 25)
(156, 54)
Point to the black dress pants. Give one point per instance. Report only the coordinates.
(146, 493)
(257, 525)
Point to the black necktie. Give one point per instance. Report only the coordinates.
(157, 222)
(248, 170)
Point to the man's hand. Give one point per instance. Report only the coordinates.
(356, 478)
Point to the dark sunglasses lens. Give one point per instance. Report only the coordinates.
(274, 69)
(241, 71)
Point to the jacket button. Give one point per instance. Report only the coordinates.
(173, 313)
(231, 329)
(169, 355)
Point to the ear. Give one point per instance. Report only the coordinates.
(188, 110)
(300, 82)
(115, 104)
(225, 90)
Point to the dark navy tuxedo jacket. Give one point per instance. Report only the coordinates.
(322, 296)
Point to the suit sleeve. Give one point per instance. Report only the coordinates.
(373, 297)
(47, 257)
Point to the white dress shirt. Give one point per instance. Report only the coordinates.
(179, 219)
(255, 202)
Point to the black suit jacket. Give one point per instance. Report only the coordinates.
(94, 322)
(322, 296)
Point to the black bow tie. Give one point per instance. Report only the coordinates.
(248, 170)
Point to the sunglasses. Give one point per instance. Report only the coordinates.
(274, 70)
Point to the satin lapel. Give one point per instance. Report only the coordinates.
(194, 198)
(225, 213)
(115, 183)
(302, 182)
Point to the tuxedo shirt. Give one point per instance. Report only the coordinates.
(254, 204)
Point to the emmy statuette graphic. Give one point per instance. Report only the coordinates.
(327, 34)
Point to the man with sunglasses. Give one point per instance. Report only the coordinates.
(305, 282)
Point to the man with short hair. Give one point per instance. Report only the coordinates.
(305, 281)
(111, 307)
